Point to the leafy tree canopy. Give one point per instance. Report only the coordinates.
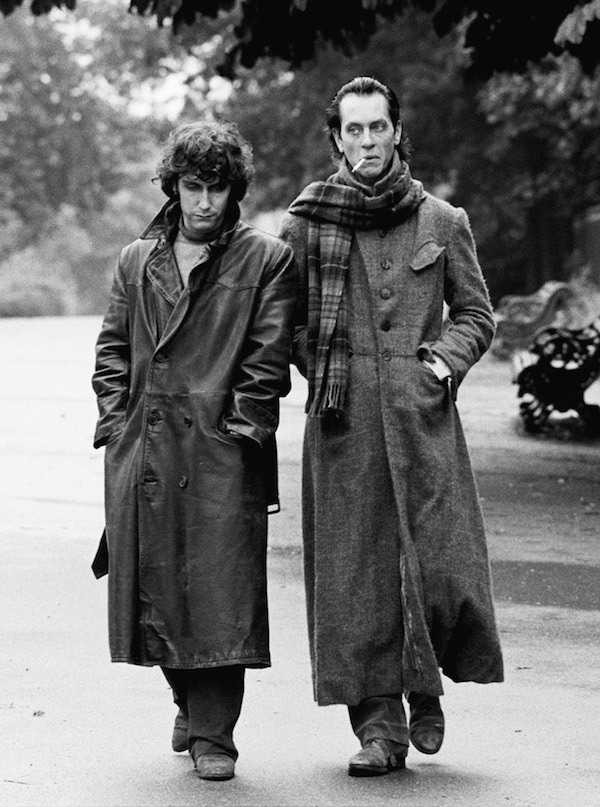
(501, 36)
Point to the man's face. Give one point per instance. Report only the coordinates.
(366, 130)
(203, 205)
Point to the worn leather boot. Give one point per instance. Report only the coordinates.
(179, 740)
(426, 725)
(378, 757)
(217, 767)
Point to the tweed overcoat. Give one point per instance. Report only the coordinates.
(396, 566)
(186, 501)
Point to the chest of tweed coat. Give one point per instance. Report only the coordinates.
(396, 566)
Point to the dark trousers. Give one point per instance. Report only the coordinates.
(212, 700)
(380, 717)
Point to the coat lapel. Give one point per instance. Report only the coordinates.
(163, 272)
(161, 266)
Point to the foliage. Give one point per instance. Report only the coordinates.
(69, 267)
(500, 36)
(84, 102)
(547, 132)
(579, 34)
(70, 144)
(46, 110)
(538, 167)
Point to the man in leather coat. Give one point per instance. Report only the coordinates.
(192, 358)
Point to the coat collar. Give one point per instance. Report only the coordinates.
(161, 266)
(165, 224)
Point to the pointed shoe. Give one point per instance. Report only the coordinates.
(426, 726)
(377, 758)
(179, 740)
(215, 766)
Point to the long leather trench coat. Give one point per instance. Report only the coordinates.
(186, 501)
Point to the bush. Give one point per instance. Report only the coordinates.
(40, 300)
(69, 268)
(34, 284)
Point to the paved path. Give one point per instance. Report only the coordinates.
(77, 730)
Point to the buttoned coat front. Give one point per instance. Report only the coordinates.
(177, 371)
(396, 565)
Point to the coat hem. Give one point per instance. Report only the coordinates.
(259, 663)
(496, 678)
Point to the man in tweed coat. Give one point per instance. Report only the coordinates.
(396, 567)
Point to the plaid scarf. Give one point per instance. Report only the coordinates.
(335, 209)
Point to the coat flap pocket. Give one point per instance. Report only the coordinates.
(426, 255)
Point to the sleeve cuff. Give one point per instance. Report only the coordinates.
(438, 366)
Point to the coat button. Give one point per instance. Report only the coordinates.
(183, 482)
(386, 355)
(382, 233)
(386, 294)
(160, 358)
(187, 420)
(386, 263)
(386, 325)
(153, 418)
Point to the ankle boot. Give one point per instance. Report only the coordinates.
(426, 725)
(179, 740)
(377, 758)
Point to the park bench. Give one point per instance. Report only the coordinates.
(554, 373)
(520, 316)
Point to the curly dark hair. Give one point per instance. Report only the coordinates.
(366, 85)
(209, 150)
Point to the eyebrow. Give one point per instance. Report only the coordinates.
(372, 123)
(218, 181)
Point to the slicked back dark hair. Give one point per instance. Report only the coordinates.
(366, 85)
(210, 150)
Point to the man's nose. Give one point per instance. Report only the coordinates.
(367, 140)
(203, 199)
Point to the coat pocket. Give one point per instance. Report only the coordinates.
(426, 255)
(435, 393)
(231, 438)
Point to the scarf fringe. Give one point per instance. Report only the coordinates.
(331, 402)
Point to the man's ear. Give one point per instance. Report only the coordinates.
(338, 141)
(398, 135)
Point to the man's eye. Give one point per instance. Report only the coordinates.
(353, 130)
(379, 127)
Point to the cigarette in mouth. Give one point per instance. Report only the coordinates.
(358, 165)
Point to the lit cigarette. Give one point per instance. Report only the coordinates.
(358, 165)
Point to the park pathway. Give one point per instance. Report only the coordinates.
(76, 730)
